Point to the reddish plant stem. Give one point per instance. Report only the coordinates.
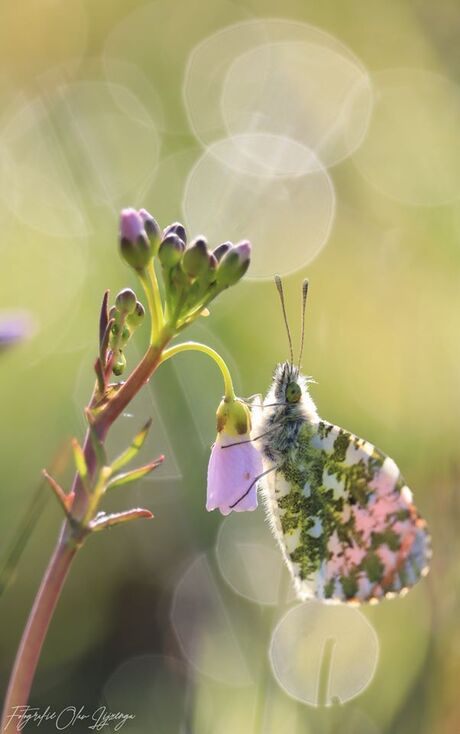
(35, 631)
(50, 588)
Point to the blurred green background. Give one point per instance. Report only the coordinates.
(172, 620)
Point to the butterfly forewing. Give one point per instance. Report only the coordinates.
(344, 518)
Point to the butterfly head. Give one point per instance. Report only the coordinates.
(289, 385)
(293, 392)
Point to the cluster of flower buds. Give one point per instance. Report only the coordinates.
(125, 316)
(193, 275)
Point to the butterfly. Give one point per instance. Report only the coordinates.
(338, 506)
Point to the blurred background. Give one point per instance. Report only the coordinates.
(328, 136)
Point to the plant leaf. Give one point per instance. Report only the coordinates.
(96, 443)
(133, 449)
(105, 342)
(99, 374)
(64, 500)
(117, 518)
(131, 476)
(80, 463)
(104, 316)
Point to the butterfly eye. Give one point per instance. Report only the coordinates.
(293, 392)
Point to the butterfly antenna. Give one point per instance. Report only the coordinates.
(302, 333)
(279, 286)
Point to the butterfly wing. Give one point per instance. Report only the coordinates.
(345, 519)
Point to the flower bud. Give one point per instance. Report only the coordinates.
(176, 228)
(131, 225)
(125, 335)
(234, 264)
(220, 250)
(233, 417)
(196, 258)
(125, 301)
(119, 365)
(135, 247)
(137, 316)
(152, 230)
(170, 252)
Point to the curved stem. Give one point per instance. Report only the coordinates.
(197, 347)
(36, 629)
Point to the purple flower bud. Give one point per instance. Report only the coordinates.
(196, 257)
(220, 250)
(131, 225)
(171, 249)
(244, 251)
(234, 264)
(126, 301)
(152, 229)
(176, 228)
(137, 249)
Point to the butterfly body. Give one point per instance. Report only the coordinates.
(339, 508)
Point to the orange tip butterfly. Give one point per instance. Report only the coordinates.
(338, 507)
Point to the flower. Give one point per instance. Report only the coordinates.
(13, 329)
(235, 463)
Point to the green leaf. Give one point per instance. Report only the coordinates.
(104, 316)
(80, 463)
(134, 448)
(58, 491)
(105, 341)
(98, 447)
(99, 374)
(117, 518)
(132, 476)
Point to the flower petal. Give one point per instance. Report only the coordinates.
(232, 471)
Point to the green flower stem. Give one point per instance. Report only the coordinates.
(148, 278)
(149, 282)
(197, 347)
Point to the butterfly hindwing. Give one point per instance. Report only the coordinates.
(344, 518)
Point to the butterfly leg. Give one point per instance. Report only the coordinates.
(267, 471)
(256, 438)
(249, 440)
(250, 399)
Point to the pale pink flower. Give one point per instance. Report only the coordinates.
(232, 474)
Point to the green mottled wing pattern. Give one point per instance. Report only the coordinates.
(344, 518)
